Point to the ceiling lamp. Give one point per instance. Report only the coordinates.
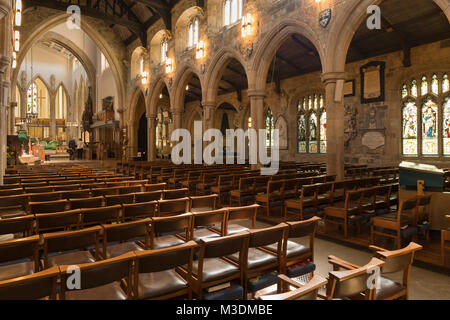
(14, 63)
(168, 65)
(144, 77)
(18, 15)
(16, 41)
(199, 52)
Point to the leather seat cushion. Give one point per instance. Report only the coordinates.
(159, 283)
(388, 288)
(16, 270)
(204, 233)
(166, 242)
(116, 250)
(214, 269)
(293, 249)
(111, 291)
(256, 258)
(70, 258)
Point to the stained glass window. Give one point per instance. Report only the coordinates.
(301, 133)
(424, 86)
(445, 84)
(435, 84)
(315, 101)
(312, 133)
(32, 99)
(404, 91)
(310, 102)
(414, 88)
(323, 132)
(269, 128)
(321, 101)
(300, 105)
(409, 134)
(429, 128)
(164, 49)
(446, 127)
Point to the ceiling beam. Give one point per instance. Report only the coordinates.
(162, 8)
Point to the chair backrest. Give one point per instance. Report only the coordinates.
(349, 283)
(105, 191)
(181, 222)
(268, 236)
(31, 287)
(92, 202)
(243, 213)
(308, 291)
(247, 183)
(148, 196)
(42, 189)
(398, 260)
(208, 218)
(154, 187)
(298, 229)
(139, 210)
(130, 189)
(424, 200)
(173, 207)
(101, 215)
(351, 197)
(406, 210)
(205, 203)
(223, 246)
(57, 220)
(309, 190)
(275, 186)
(48, 206)
(46, 196)
(112, 200)
(324, 188)
(75, 194)
(68, 187)
(126, 231)
(101, 273)
(11, 192)
(71, 240)
(17, 224)
(17, 249)
(175, 193)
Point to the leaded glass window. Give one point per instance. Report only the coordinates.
(32, 99)
(311, 124)
(414, 88)
(269, 128)
(434, 85)
(429, 128)
(301, 133)
(446, 126)
(313, 133)
(409, 115)
(323, 132)
(424, 86)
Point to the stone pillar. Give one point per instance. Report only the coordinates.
(209, 109)
(23, 102)
(12, 117)
(334, 103)
(151, 152)
(257, 114)
(177, 119)
(52, 116)
(4, 97)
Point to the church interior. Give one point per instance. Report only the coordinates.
(108, 109)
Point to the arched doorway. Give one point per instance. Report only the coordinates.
(142, 137)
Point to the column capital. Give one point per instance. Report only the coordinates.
(332, 77)
(209, 104)
(252, 93)
(13, 104)
(151, 117)
(4, 63)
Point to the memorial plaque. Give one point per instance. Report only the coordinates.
(373, 139)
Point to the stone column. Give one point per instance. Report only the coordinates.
(4, 97)
(52, 116)
(151, 142)
(23, 102)
(177, 119)
(257, 114)
(12, 117)
(209, 109)
(334, 103)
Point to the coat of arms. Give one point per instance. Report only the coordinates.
(325, 18)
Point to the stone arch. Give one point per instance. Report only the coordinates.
(135, 62)
(155, 47)
(270, 44)
(181, 27)
(348, 19)
(179, 83)
(155, 89)
(136, 92)
(38, 76)
(137, 108)
(215, 70)
(39, 29)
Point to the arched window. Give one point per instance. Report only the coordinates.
(193, 33)
(164, 49)
(311, 124)
(61, 103)
(269, 128)
(232, 11)
(32, 100)
(421, 117)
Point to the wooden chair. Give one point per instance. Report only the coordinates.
(154, 187)
(213, 267)
(290, 189)
(382, 201)
(15, 225)
(105, 191)
(58, 248)
(273, 196)
(103, 215)
(202, 203)
(223, 187)
(295, 253)
(83, 203)
(394, 262)
(11, 192)
(148, 196)
(140, 210)
(48, 206)
(423, 216)
(112, 200)
(245, 214)
(445, 237)
(305, 205)
(299, 291)
(12, 256)
(101, 280)
(42, 197)
(43, 189)
(164, 231)
(175, 193)
(203, 222)
(158, 274)
(124, 237)
(349, 213)
(13, 206)
(40, 285)
(245, 192)
(325, 194)
(75, 194)
(130, 189)
(66, 187)
(261, 262)
(66, 220)
(172, 207)
(397, 225)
